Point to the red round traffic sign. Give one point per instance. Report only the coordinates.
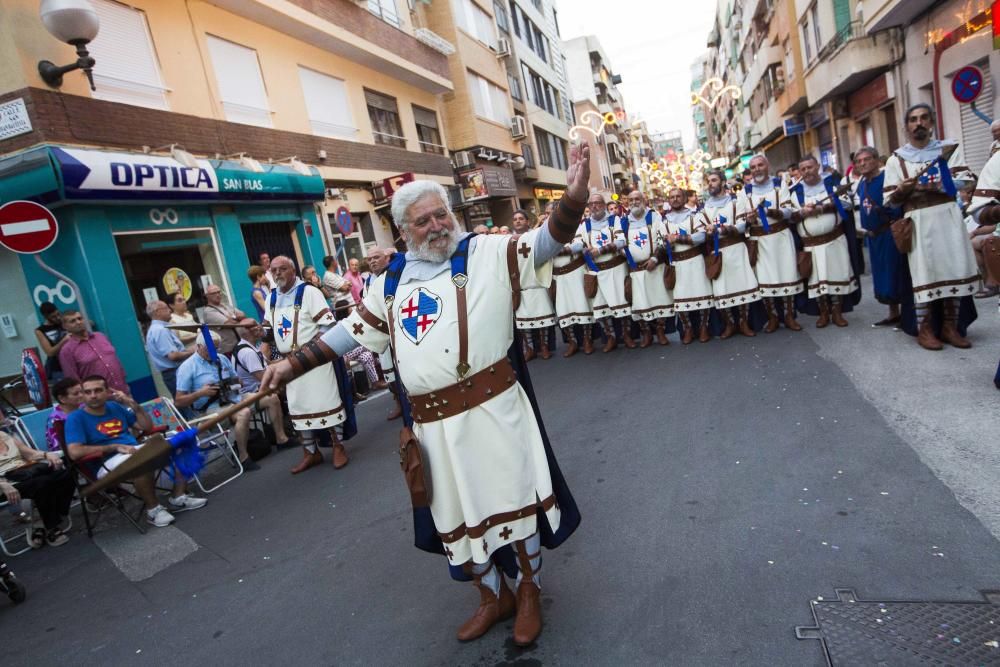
(27, 227)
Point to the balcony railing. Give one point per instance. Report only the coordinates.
(851, 31)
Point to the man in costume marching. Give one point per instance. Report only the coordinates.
(692, 289)
(821, 219)
(651, 302)
(298, 313)
(496, 494)
(606, 265)
(776, 267)
(536, 314)
(726, 216)
(571, 302)
(920, 177)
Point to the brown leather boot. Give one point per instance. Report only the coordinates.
(772, 316)
(647, 335)
(542, 343)
(703, 336)
(745, 327)
(824, 313)
(949, 329)
(837, 313)
(588, 338)
(729, 330)
(610, 341)
(572, 347)
(492, 609)
(528, 622)
(790, 322)
(627, 333)
(688, 334)
(529, 353)
(397, 410)
(339, 456)
(661, 333)
(309, 459)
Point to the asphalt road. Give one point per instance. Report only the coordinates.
(722, 485)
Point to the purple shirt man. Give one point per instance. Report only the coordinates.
(90, 354)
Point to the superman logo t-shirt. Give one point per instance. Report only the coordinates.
(111, 428)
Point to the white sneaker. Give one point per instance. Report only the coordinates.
(159, 516)
(183, 503)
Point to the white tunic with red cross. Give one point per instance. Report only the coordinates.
(736, 284)
(650, 299)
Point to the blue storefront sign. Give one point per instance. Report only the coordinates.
(794, 126)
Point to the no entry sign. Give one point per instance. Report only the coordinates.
(967, 84)
(27, 227)
(345, 223)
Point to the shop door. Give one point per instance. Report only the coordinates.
(274, 238)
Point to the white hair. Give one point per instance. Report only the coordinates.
(152, 306)
(762, 157)
(410, 194)
(200, 338)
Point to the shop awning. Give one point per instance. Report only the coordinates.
(52, 174)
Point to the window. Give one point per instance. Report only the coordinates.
(384, 116)
(241, 86)
(489, 100)
(540, 41)
(513, 18)
(427, 130)
(515, 86)
(551, 150)
(805, 41)
(326, 103)
(385, 10)
(540, 92)
(815, 21)
(528, 155)
(473, 20)
(128, 71)
(501, 16)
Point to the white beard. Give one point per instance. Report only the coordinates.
(638, 212)
(428, 254)
(599, 218)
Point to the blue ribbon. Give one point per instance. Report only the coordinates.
(213, 354)
(835, 199)
(587, 259)
(628, 253)
(947, 184)
(716, 235)
(762, 215)
(187, 457)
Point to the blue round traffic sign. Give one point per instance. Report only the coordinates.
(967, 84)
(345, 223)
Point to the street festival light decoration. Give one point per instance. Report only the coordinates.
(604, 120)
(74, 22)
(719, 89)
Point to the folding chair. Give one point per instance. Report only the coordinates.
(215, 442)
(10, 536)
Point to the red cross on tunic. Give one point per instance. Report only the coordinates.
(424, 322)
(718, 221)
(411, 307)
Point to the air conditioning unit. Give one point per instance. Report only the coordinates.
(503, 47)
(463, 159)
(378, 195)
(518, 127)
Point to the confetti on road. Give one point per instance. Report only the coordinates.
(770, 562)
(884, 493)
(138, 651)
(992, 644)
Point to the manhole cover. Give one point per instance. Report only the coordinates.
(868, 632)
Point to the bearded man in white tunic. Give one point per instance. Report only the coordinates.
(771, 236)
(651, 302)
(447, 310)
(604, 242)
(820, 227)
(571, 302)
(298, 313)
(535, 315)
(736, 286)
(692, 289)
(921, 177)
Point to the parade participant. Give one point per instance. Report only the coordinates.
(607, 266)
(771, 232)
(820, 216)
(692, 289)
(726, 216)
(536, 314)
(995, 133)
(298, 314)
(888, 272)
(920, 177)
(497, 493)
(378, 259)
(651, 302)
(571, 302)
(985, 211)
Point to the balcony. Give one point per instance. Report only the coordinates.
(883, 14)
(767, 127)
(850, 59)
(767, 56)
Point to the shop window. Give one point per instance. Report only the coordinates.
(241, 85)
(274, 238)
(488, 99)
(384, 116)
(128, 70)
(427, 130)
(327, 105)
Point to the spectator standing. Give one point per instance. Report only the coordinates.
(90, 353)
(259, 291)
(336, 289)
(101, 426)
(179, 314)
(217, 312)
(250, 364)
(164, 347)
(26, 472)
(310, 276)
(355, 278)
(264, 261)
(68, 393)
(51, 337)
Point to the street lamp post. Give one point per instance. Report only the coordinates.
(74, 22)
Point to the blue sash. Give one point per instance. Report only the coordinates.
(586, 257)
(761, 209)
(828, 184)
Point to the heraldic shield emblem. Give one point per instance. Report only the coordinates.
(418, 313)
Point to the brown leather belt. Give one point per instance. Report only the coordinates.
(927, 200)
(569, 268)
(610, 264)
(465, 395)
(775, 228)
(811, 241)
(994, 194)
(690, 253)
(727, 241)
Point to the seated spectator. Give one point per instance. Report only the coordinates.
(336, 289)
(217, 312)
(101, 426)
(261, 288)
(179, 314)
(991, 283)
(201, 385)
(68, 393)
(164, 347)
(249, 361)
(90, 353)
(26, 472)
(51, 337)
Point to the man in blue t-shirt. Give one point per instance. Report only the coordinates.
(102, 427)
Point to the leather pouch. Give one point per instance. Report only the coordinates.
(669, 277)
(590, 285)
(902, 234)
(753, 251)
(804, 260)
(412, 463)
(713, 265)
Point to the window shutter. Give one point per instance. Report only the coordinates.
(425, 117)
(327, 105)
(127, 70)
(241, 86)
(976, 136)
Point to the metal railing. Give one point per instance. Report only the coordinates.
(850, 32)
